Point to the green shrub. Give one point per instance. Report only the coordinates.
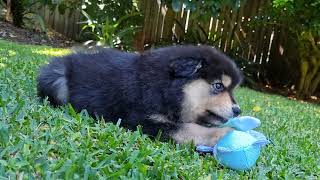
(112, 23)
(300, 20)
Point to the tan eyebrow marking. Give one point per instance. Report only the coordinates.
(226, 80)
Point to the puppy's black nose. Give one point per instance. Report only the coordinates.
(236, 110)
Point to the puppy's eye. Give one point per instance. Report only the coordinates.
(217, 87)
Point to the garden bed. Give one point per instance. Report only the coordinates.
(27, 36)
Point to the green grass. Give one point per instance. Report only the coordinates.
(39, 141)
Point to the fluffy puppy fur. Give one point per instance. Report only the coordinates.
(183, 91)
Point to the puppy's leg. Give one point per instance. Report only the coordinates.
(52, 82)
(199, 134)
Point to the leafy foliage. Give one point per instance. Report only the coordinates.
(23, 15)
(62, 5)
(298, 15)
(205, 7)
(108, 32)
(201, 11)
(107, 22)
(2, 4)
(301, 19)
(38, 141)
(110, 22)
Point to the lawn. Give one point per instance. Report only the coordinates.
(39, 141)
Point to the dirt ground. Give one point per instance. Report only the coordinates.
(27, 36)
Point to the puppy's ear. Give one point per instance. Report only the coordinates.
(185, 67)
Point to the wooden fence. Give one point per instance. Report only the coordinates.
(231, 30)
(266, 47)
(66, 24)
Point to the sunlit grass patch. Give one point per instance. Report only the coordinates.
(51, 52)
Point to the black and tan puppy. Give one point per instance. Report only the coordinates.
(183, 91)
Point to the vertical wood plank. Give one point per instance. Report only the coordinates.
(73, 31)
(66, 22)
(77, 20)
(180, 19)
(220, 30)
(239, 41)
(155, 13)
(252, 33)
(168, 25)
(147, 21)
(47, 15)
(162, 14)
(51, 19)
(61, 20)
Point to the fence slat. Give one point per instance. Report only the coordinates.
(147, 22)
(168, 24)
(66, 24)
(160, 24)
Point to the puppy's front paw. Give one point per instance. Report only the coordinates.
(217, 134)
(200, 135)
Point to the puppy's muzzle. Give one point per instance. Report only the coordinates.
(236, 110)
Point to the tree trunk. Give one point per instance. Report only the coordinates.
(17, 12)
(309, 65)
(9, 11)
(138, 43)
(316, 84)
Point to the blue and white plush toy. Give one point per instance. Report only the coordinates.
(238, 149)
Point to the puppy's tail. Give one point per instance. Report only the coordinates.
(53, 82)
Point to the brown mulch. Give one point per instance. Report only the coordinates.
(27, 36)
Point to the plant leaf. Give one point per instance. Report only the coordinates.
(176, 5)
